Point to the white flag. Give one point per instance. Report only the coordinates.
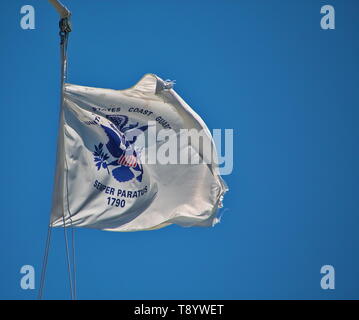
(130, 160)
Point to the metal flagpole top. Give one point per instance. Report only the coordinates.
(65, 14)
(61, 9)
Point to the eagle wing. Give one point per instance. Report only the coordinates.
(114, 141)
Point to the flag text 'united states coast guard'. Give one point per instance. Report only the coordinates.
(135, 159)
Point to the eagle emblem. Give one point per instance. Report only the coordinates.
(121, 146)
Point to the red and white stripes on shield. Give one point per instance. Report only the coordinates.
(127, 160)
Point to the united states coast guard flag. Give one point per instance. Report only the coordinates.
(127, 160)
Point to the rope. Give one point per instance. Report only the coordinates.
(65, 28)
(68, 259)
(73, 259)
(44, 262)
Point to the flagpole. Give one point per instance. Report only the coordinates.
(61, 9)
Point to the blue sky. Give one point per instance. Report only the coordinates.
(263, 68)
